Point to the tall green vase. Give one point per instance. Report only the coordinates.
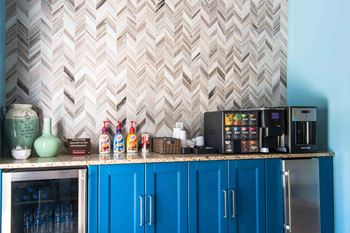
(47, 145)
(21, 126)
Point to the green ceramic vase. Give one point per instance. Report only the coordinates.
(21, 126)
(47, 145)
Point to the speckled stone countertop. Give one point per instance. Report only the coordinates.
(71, 161)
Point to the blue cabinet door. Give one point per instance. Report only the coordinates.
(208, 197)
(247, 180)
(274, 196)
(121, 198)
(326, 194)
(92, 199)
(166, 197)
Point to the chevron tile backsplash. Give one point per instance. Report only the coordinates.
(154, 61)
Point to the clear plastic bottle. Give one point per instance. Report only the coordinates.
(67, 218)
(47, 219)
(27, 221)
(57, 219)
(70, 219)
(37, 221)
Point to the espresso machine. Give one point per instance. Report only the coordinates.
(272, 130)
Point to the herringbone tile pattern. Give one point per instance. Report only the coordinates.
(155, 61)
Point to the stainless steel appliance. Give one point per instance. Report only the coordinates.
(272, 130)
(44, 200)
(302, 129)
(301, 190)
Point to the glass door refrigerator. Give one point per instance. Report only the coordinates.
(45, 201)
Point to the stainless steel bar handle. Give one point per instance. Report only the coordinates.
(308, 133)
(288, 226)
(225, 203)
(6, 203)
(233, 203)
(82, 177)
(150, 210)
(141, 210)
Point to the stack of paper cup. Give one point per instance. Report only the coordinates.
(183, 138)
(177, 133)
(180, 133)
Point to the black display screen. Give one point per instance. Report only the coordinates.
(275, 115)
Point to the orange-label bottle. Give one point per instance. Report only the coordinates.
(132, 140)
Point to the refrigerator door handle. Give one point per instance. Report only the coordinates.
(6, 203)
(82, 200)
(287, 200)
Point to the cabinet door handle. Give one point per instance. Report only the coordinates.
(141, 210)
(233, 203)
(150, 209)
(225, 203)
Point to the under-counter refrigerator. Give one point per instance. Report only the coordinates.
(43, 201)
(301, 190)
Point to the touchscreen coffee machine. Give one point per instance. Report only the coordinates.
(232, 132)
(302, 129)
(272, 130)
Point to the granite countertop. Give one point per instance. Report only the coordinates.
(71, 161)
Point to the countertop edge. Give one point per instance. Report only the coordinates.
(93, 160)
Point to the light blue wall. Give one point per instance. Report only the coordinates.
(319, 74)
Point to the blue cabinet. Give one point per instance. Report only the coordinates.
(92, 199)
(326, 194)
(247, 188)
(166, 198)
(121, 195)
(143, 198)
(242, 196)
(274, 196)
(227, 197)
(247, 181)
(208, 194)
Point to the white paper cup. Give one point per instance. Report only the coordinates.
(200, 141)
(183, 138)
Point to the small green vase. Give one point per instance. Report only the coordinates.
(47, 145)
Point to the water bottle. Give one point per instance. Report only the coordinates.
(35, 195)
(26, 194)
(48, 219)
(64, 218)
(57, 219)
(27, 222)
(70, 216)
(37, 221)
(67, 220)
(45, 194)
